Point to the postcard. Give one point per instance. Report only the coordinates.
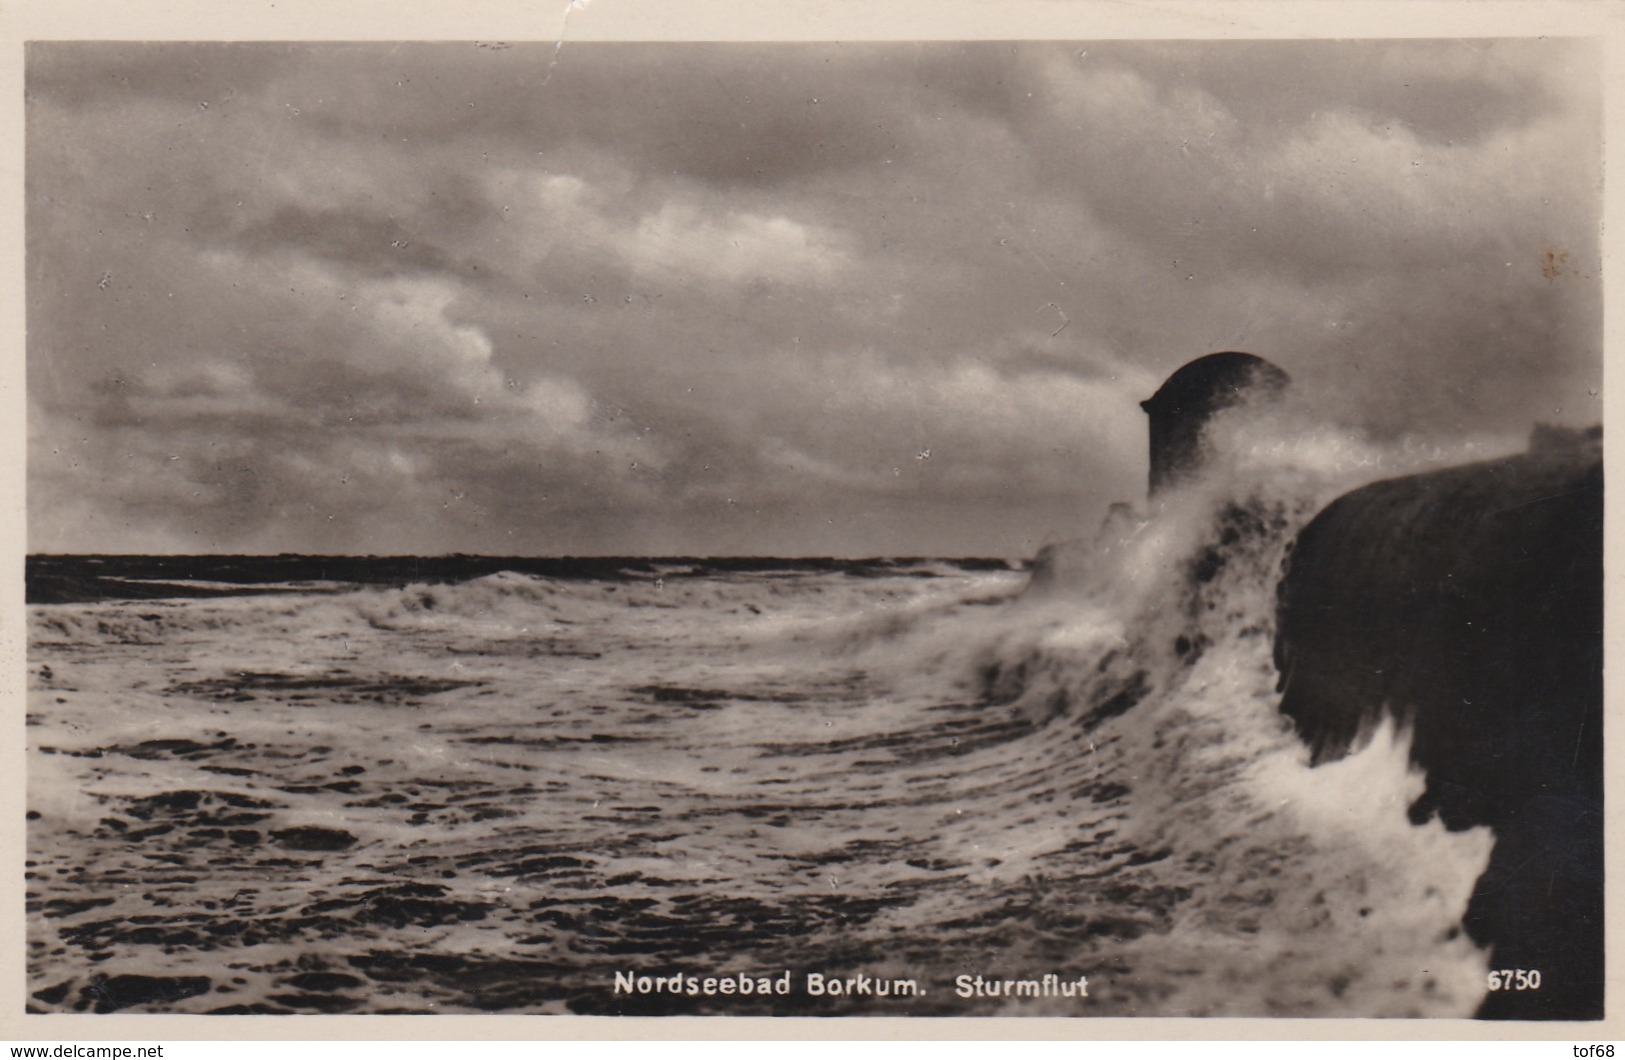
(1060, 522)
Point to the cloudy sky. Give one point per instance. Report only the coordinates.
(765, 298)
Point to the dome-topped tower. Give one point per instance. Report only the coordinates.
(1181, 408)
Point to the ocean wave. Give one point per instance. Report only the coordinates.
(1145, 655)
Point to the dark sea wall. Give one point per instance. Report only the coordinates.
(1468, 603)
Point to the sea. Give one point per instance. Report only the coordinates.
(726, 786)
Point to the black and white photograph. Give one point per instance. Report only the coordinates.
(852, 528)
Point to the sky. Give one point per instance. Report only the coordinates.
(774, 299)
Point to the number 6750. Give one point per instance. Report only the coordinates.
(1515, 979)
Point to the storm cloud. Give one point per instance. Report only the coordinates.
(767, 298)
